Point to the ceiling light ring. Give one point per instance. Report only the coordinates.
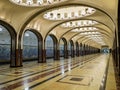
(68, 14)
(35, 3)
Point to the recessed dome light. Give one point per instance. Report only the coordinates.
(86, 29)
(90, 33)
(36, 2)
(79, 23)
(69, 12)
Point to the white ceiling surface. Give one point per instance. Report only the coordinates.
(105, 15)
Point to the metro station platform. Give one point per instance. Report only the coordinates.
(91, 72)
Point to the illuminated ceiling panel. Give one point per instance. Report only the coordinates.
(79, 23)
(90, 33)
(94, 36)
(35, 3)
(84, 29)
(71, 12)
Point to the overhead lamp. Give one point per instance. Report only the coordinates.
(92, 33)
(83, 13)
(95, 33)
(40, 2)
(49, 1)
(76, 14)
(29, 2)
(18, 1)
(94, 28)
(75, 30)
(90, 28)
(67, 13)
(80, 23)
(85, 22)
(73, 24)
(90, 22)
(85, 29)
(82, 30)
(95, 22)
(35, 3)
(68, 24)
(89, 10)
(95, 36)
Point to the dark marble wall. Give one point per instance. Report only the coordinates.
(30, 52)
(5, 52)
(49, 53)
(61, 50)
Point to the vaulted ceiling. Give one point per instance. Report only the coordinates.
(92, 22)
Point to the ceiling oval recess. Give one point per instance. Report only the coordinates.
(36, 3)
(79, 23)
(69, 12)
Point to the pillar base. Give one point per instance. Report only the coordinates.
(16, 66)
(43, 56)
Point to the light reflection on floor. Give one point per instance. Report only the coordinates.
(44, 76)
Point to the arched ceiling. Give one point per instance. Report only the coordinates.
(64, 18)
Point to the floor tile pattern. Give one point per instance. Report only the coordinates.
(79, 73)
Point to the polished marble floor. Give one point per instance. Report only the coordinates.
(79, 73)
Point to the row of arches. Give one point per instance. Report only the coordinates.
(33, 48)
